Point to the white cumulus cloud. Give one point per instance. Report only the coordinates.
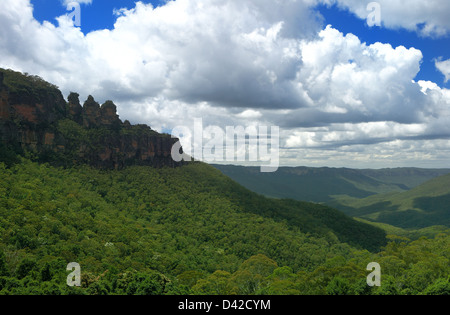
(231, 62)
(428, 18)
(444, 68)
(67, 2)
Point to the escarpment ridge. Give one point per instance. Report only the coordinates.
(36, 121)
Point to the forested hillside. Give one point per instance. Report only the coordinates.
(325, 184)
(410, 198)
(188, 230)
(423, 206)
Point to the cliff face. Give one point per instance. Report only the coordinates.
(36, 120)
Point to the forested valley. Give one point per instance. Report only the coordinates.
(190, 230)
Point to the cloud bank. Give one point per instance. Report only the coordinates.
(336, 99)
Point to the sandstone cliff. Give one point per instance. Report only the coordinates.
(36, 121)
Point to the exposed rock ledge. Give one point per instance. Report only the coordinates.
(35, 120)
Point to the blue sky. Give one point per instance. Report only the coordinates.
(95, 16)
(344, 95)
(431, 48)
(99, 15)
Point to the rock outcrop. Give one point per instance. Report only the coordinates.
(36, 121)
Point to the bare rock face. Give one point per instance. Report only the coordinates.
(4, 106)
(74, 108)
(91, 113)
(108, 114)
(35, 119)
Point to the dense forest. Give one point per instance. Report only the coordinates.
(190, 230)
(328, 185)
(409, 198)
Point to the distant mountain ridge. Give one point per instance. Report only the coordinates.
(36, 121)
(322, 185)
(401, 197)
(425, 205)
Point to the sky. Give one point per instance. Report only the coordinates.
(343, 92)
